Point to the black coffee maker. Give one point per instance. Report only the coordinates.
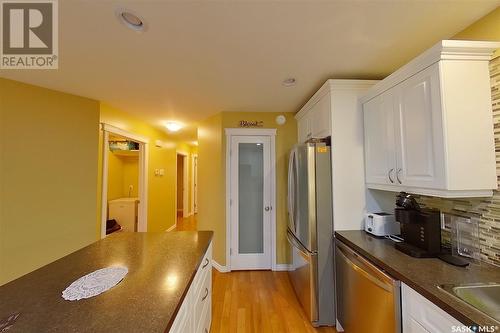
(420, 228)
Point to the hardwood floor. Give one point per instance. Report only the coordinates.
(254, 301)
(186, 224)
(257, 301)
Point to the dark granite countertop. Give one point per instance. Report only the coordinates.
(161, 268)
(423, 275)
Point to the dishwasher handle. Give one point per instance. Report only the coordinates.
(366, 268)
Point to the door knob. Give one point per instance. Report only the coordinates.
(267, 208)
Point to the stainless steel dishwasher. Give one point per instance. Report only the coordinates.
(368, 300)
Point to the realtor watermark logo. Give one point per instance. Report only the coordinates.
(29, 34)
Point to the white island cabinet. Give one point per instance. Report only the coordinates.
(429, 125)
(195, 313)
(419, 315)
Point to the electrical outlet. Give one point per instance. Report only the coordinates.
(131, 188)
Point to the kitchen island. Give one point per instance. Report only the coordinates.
(162, 267)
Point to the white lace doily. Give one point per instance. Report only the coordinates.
(94, 283)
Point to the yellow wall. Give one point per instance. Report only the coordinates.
(486, 28)
(130, 176)
(211, 191)
(48, 168)
(122, 172)
(115, 176)
(211, 178)
(161, 190)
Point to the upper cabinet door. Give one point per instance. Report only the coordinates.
(320, 118)
(380, 162)
(420, 131)
(304, 128)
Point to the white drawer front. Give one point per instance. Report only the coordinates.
(205, 268)
(206, 317)
(195, 313)
(202, 298)
(424, 313)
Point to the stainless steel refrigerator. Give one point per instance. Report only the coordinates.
(310, 230)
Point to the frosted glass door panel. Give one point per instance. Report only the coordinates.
(251, 198)
(250, 202)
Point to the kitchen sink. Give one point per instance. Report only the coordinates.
(483, 296)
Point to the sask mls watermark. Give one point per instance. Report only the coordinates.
(29, 34)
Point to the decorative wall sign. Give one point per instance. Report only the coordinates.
(251, 123)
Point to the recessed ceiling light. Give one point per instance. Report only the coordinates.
(291, 81)
(173, 126)
(131, 20)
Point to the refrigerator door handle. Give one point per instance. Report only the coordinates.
(295, 185)
(295, 243)
(291, 189)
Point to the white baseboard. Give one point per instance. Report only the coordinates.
(281, 267)
(224, 269)
(172, 227)
(339, 327)
(219, 267)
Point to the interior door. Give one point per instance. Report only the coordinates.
(420, 141)
(250, 187)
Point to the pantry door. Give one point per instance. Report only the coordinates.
(250, 201)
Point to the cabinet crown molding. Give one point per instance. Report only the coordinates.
(443, 50)
(331, 85)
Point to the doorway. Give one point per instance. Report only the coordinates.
(194, 208)
(124, 180)
(123, 184)
(182, 185)
(250, 185)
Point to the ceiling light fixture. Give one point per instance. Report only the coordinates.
(131, 20)
(291, 81)
(173, 126)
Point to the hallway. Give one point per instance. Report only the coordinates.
(254, 301)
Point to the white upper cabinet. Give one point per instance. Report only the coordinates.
(315, 122)
(429, 125)
(304, 128)
(419, 131)
(320, 118)
(379, 140)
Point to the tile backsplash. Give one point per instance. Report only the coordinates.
(486, 210)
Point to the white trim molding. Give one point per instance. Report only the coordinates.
(118, 131)
(250, 131)
(443, 50)
(185, 182)
(219, 267)
(334, 85)
(271, 132)
(172, 228)
(282, 267)
(194, 182)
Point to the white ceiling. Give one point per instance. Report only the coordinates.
(202, 57)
